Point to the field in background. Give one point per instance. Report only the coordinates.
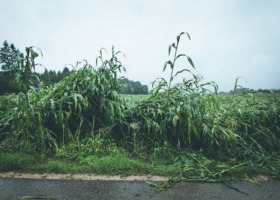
(134, 99)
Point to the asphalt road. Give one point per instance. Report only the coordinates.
(12, 189)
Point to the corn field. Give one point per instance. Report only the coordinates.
(209, 135)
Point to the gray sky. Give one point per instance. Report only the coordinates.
(230, 38)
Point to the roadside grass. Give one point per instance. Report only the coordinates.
(16, 162)
(188, 166)
(105, 165)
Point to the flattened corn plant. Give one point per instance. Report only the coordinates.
(80, 106)
(242, 132)
(173, 114)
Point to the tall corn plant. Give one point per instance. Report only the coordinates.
(173, 114)
(80, 106)
(86, 103)
(23, 122)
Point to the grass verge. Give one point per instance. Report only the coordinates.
(106, 165)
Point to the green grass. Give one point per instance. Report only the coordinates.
(106, 165)
(16, 162)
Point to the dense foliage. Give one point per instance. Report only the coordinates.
(7, 82)
(9, 56)
(132, 87)
(51, 77)
(8, 63)
(208, 136)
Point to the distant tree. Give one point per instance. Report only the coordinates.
(240, 90)
(264, 90)
(65, 72)
(8, 65)
(51, 77)
(45, 77)
(8, 56)
(145, 89)
(132, 87)
(7, 83)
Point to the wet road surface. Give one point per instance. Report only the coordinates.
(17, 188)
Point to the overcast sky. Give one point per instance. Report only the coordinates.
(229, 38)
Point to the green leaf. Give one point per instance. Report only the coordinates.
(169, 62)
(180, 55)
(175, 120)
(183, 33)
(188, 35)
(170, 46)
(165, 65)
(183, 70)
(190, 61)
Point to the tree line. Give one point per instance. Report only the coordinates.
(248, 90)
(132, 87)
(9, 65)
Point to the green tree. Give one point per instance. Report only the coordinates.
(8, 56)
(132, 87)
(65, 72)
(8, 66)
(8, 83)
(50, 77)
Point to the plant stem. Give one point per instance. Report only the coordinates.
(172, 68)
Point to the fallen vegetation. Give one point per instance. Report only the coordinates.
(185, 131)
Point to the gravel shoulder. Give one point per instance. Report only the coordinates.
(54, 176)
